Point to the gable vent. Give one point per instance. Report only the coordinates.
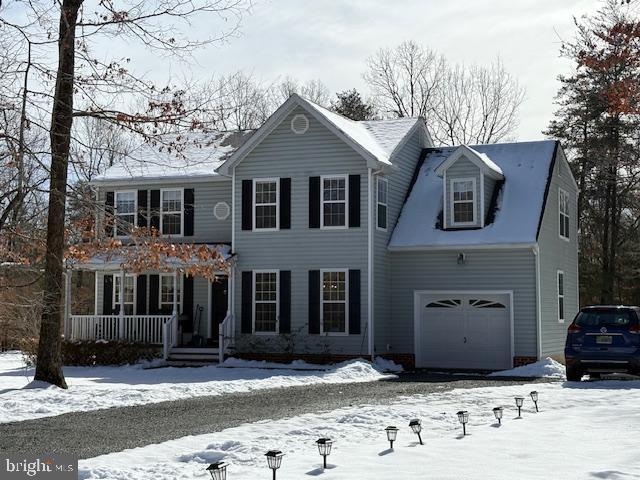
(299, 124)
(221, 210)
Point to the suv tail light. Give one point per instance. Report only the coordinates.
(635, 328)
(573, 328)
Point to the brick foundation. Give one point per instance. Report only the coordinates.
(520, 361)
(407, 360)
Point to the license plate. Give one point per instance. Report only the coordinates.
(604, 339)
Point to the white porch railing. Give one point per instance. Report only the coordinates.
(225, 334)
(133, 328)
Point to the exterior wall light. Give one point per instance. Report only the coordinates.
(274, 459)
(324, 448)
(519, 402)
(416, 426)
(534, 397)
(392, 433)
(463, 418)
(498, 414)
(218, 471)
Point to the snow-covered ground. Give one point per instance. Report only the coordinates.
(587, 430)
(95, 388)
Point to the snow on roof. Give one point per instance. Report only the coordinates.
(378, 137)
(482, 160)
(526, 169)
(191, 155)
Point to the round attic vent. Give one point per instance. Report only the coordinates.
(221, 210)
(299, 123)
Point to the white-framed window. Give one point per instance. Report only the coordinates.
(334, 301)
(560, 296)
(129, 293)
(463, 201)
(171, 211)
(266, 200)
(333, 201)
(126, 206)
(382, 192)
(165, 296)
(563, 213)
(265, 301)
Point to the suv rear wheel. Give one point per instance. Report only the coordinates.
(574, 374)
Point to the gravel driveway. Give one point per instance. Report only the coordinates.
(89, 434)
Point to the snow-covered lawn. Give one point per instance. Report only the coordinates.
(583, 431)
(94, 388)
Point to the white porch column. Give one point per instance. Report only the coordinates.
(209, 309)
(67, 304)
(121, 329)
(175, 307)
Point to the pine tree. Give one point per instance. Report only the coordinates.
(351, 105)
(599, 124)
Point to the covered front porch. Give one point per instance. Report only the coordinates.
(185, 315)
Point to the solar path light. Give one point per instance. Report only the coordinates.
(324, 448)
(392, 434)
(519, 402)
(463, 418)
(534, 397)
(498, 414)
(218, 471)
(274, 459)
(416, 426)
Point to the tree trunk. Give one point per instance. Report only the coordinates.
(49, 362)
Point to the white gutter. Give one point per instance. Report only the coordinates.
(128, 181)
(536, 253)
(370, 325)
(476, 246)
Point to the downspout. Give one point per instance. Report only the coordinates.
(370, 325)
(231, 286)
(536, 254)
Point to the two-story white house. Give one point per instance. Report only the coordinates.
(348, 239)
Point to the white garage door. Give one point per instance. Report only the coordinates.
(463, 331)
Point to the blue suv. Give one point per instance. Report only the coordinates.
(603, 339)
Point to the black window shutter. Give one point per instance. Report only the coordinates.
(108, 213)
(142, 208)
(314, 202)
(285, 301)
(189, 199)
(247, 301)
(187, 302)
(247, 204)
(354, 200)
(285, 203)
(141, 295)
(154, 294)
(314, 301)
(354, 302)
(107, 295)
(154, 217)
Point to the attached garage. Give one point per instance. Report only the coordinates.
(466, 330)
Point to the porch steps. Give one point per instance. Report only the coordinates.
(192, 356)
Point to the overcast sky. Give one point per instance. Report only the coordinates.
(330, 40)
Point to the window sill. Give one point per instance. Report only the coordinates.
(566, 239)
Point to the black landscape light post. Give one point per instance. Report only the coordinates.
(218, 471)
(392, 433)
(416, 426)
(463, 418)
(498, 414)
(519, 402)
(534, 397)
(324, 447)
(274, 459)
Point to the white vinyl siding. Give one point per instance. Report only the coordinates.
(166, 291)
(266, 199)
(333, 201)
(563, 208)
(382, 191)
(334, 297)
(265, 301)
(463, 201)
(126, 206)
(171, 212)
(129, 293)
(560, 296)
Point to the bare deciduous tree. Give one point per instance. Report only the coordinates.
(313, 90)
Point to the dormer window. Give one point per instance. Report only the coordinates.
(463, 201)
